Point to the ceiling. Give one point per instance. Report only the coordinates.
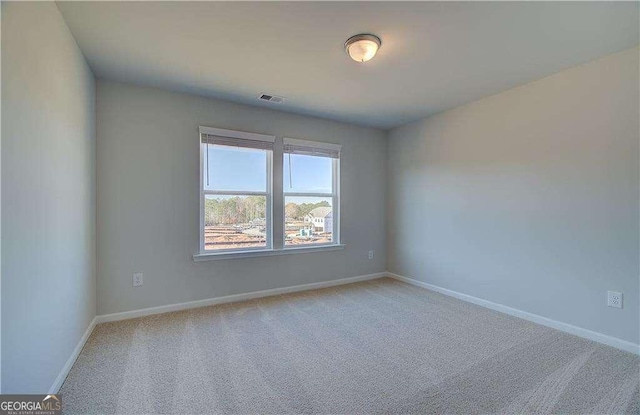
(434, 55)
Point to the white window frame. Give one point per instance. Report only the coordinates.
(268, 193)
(269, 249)
(334, 194)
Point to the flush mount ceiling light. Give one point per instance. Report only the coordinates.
(363, 47)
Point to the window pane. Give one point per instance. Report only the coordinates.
(235, 168)
(234, 222)
(308, 220)
(307, 174)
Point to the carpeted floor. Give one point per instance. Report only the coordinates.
(379, 346)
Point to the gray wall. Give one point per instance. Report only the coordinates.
(148, 199)
(48, 196)
(528, 198)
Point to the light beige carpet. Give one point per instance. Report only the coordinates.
(374, 347)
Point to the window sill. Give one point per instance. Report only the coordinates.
(212, 256)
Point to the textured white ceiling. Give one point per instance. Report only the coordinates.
(434, 56)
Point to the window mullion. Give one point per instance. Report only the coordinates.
(277, 189)
(269, 195)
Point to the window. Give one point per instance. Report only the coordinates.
(235, 199)
(311, 197)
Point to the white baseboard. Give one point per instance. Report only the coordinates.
(72, 359)
(558, 325)
(568, 328)
(232, 298)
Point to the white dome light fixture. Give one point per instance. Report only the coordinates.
(363, 47)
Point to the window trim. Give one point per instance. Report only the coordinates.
(215, 256)
(269, 249)
(268, 193)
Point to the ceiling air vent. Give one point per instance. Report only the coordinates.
(271, 98)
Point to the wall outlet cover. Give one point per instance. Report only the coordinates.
(370, 254)
(614, 299)
(138, 279)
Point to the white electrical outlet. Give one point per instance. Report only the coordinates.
(614, 299)
(370, 254)
(137, 279)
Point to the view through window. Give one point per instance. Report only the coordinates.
(309, 194)
(235, 181)
(235, 222)
(237, 192)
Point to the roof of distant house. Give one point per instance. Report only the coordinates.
(320, 212)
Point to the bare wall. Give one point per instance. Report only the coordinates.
(48, 196)
(529, 198)
(148, 199)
